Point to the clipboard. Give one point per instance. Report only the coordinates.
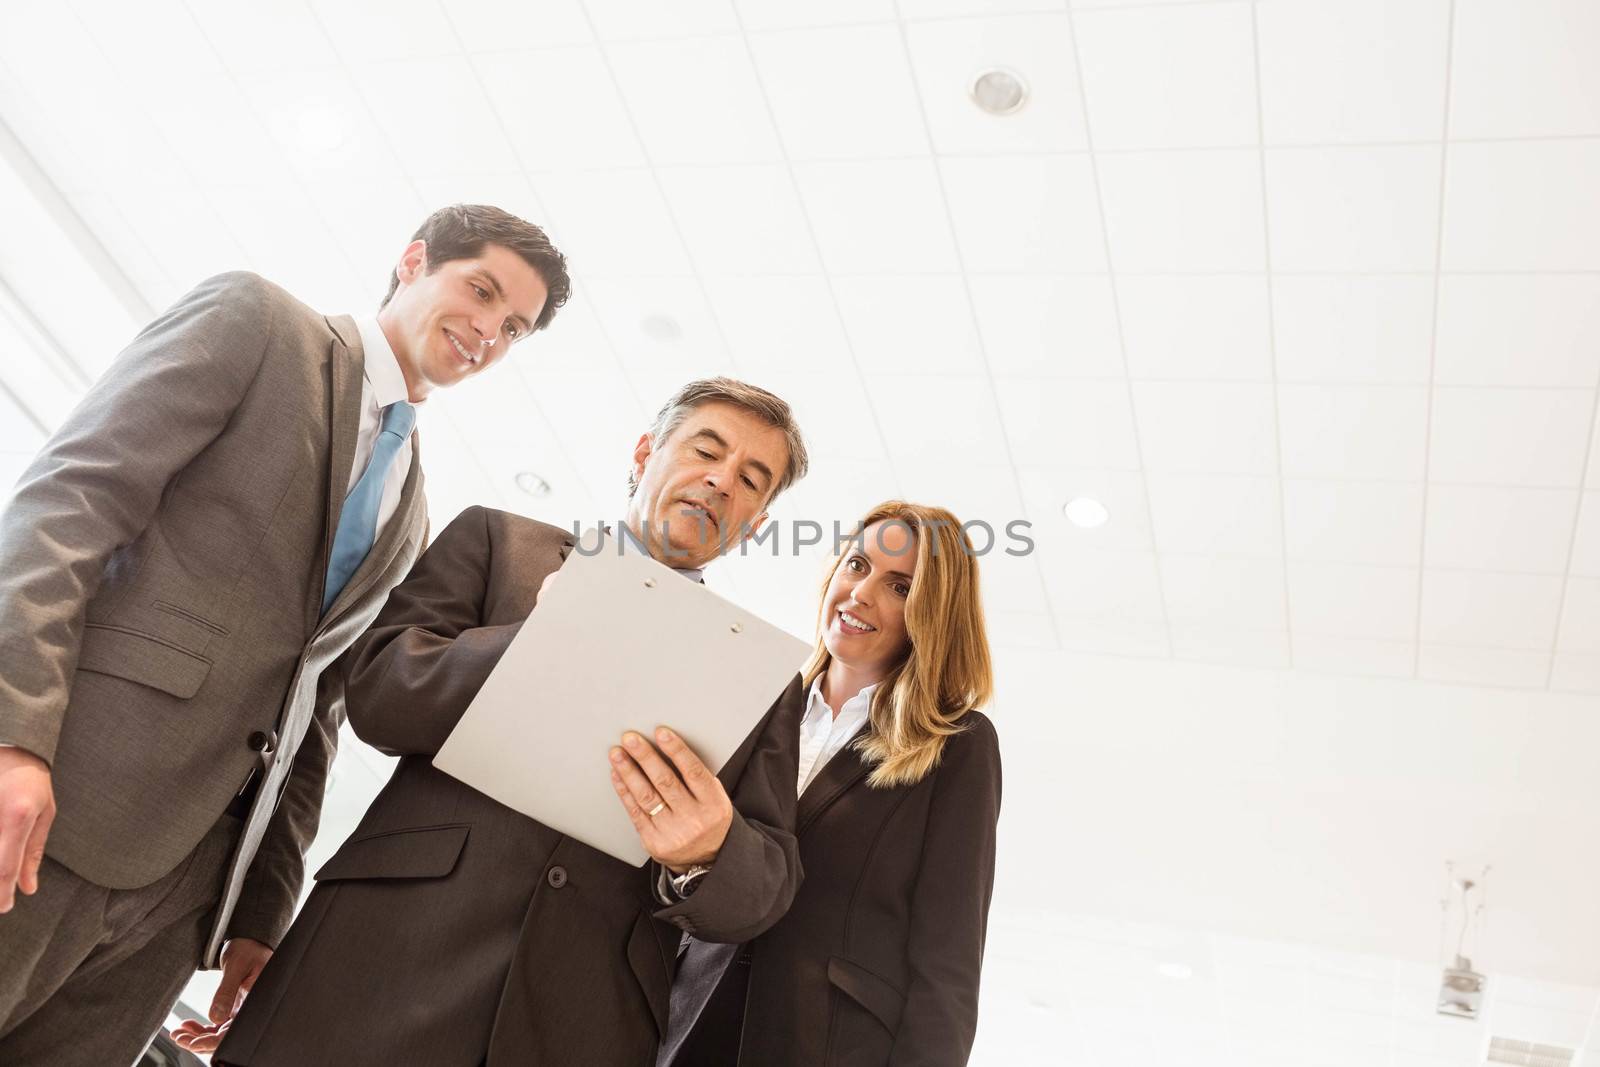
(618, 642)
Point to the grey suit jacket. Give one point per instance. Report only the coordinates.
(161, 572)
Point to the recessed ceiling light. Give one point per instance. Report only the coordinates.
(533, 485)
(660, 328)
(1085, 512)
(1180, 972)
(999, 91)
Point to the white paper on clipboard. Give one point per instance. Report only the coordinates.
(618, 642)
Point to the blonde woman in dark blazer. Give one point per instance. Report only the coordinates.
(877, 961)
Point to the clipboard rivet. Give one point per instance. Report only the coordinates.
(736, 628)
(649, 583)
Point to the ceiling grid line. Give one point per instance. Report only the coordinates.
(1122, 335)
(1272, 341)
(1433, 344)
(1572, 539)
(577, 470)
(811, 234)
(972, 312)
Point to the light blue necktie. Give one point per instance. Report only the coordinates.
(358, 520)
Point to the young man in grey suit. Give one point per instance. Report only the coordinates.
(221, 516)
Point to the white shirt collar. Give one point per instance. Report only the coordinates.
(861, 703)
(380, 365)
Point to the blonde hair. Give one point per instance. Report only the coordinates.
(947, 672)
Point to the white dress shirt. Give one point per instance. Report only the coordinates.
(382, 384)
(823, 734)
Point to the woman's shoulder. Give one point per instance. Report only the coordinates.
(976, 742)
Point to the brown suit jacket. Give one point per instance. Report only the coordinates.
(161, 572)
(450, 929)
(877, 961)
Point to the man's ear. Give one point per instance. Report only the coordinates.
(413, 262)
(641, 453)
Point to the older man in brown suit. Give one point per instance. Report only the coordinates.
(216, 522)
(451, 930)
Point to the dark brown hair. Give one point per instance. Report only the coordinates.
(461, 231)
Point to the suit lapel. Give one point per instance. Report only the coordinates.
(844, 770)
(346, 369)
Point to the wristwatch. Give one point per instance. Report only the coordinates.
(684, 884)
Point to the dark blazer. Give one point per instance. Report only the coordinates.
(450, 929)
(877, 961)
(162, 637)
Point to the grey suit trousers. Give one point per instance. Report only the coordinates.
(88, 974)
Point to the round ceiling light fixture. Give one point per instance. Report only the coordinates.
(533, 485)
(662, 328)
(999, 91)
(1085, 512)
(1178, 972)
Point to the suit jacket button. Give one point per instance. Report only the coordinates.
(557, 877)
(262, 742)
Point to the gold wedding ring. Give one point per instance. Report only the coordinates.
(653, 812)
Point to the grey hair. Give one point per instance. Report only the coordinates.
(768, 407)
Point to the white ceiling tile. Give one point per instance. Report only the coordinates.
(1169, 76)
(1138, 638)
(1016, 214)
(948, 56)
(1575, 672)
(1548, 995)
(1592, 477)
(1230, 515)
(770, 236)
(891, 331)
(1358, 70)
(1206, 428)
(883, 217)
(450, 129)
(1266, 649)
(251, 38)
(1357, 656)
(634, 314)
(938, 419)
(1101, 584)
(1183, 211)
(1340, 600)
(1244, 594)
(776, 323)
(1052, 422)
(1373, 330)
(366, 31)
(865, 107)
(696, 102)
(1525, 68)
(508, 191)
(641, 20)
(1524, 530)
(497, 25)
(1353, 209)
(1532, 437)
(1045, 490)
(783, 15)
(598, 134)
(1514, 611)
(1580, 617)
(372, 223)
(1518, 329)
(1048, 326)
(1016, 629)
(159, 40)
(1332, 521)
(19, 437)
(236, 149)
(614, 223)
(984, 499)
(1189, 327)
(924, 9)
(1522, 205)
(838, 420)
(284, 237)
(1482, 666)
(1347, 431)
(1586, 540)
(322, 126)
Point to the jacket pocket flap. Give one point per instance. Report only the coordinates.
(140, 658)
(426, 852)
(868, 990)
